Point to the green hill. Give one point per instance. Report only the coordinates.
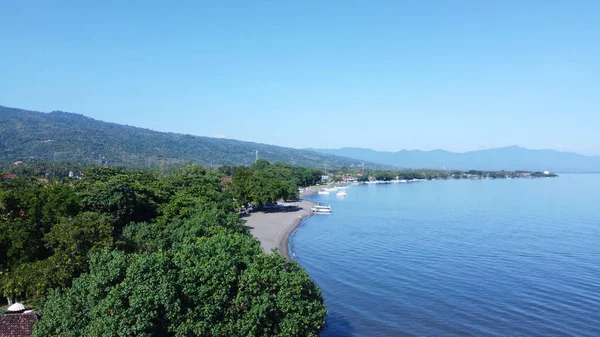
(62, 136)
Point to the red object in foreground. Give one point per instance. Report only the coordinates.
(18, 324)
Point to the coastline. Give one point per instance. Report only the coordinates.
(274, 227)
(284, 244)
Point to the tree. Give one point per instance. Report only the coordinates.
(121, 197)
(183, 262)
(70, 241)
(215, 286)
(385, 175)
(73, 239)
(263, 187)
(260, 164)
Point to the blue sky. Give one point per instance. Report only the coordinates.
(389, 75)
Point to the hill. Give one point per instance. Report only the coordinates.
(62, 136)
(508, 158)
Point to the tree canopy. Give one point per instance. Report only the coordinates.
(266, 183)
(128, 253)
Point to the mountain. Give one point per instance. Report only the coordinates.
(507, 158)
(63, 136)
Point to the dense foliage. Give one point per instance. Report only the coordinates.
(263, 183)
(130, 253)
(60, 136)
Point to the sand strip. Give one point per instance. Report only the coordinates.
(274, 227)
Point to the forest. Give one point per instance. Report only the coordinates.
(68, 137)
(109, 251)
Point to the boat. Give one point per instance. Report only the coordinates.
(342, 194)
(321, 209)
(323, 192)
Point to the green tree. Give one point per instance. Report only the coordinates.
(216, 286)
(385, 175)
(121, 197)
(260, 164)
(70, 241)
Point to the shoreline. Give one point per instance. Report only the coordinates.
(273, 228)
(284, 245)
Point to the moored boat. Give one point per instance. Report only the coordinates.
(342, 194)
(321, 209)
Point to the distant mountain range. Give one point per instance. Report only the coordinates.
(507, 158)
(61, 136)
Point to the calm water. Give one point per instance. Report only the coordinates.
(459, 258)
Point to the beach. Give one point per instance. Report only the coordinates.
(273, 227)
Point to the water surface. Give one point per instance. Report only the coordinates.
(517, 257)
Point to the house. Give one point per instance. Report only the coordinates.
(226, 180)
(9, 176)
(18, 163)
(18, 322)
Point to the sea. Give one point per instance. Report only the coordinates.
(491, 257)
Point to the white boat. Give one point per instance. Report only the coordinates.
(321, 209)
(342, 194)
(323, 192)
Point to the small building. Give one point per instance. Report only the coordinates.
(546, 172)
(9, 176)
(18, 322)
(226, 180)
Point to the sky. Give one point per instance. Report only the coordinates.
(388, 75)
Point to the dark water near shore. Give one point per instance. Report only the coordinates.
(516, 257)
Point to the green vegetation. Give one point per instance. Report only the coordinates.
(133, 253)
(60, 136)
(119, 252)
(425, 174)
(264, 184)
(543, 175)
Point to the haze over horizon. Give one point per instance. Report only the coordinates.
(388, 76)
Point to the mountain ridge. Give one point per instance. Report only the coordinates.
(508, 158)
(66, 136)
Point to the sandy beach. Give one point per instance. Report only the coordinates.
(274, 227)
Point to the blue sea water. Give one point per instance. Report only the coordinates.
(518, 257)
